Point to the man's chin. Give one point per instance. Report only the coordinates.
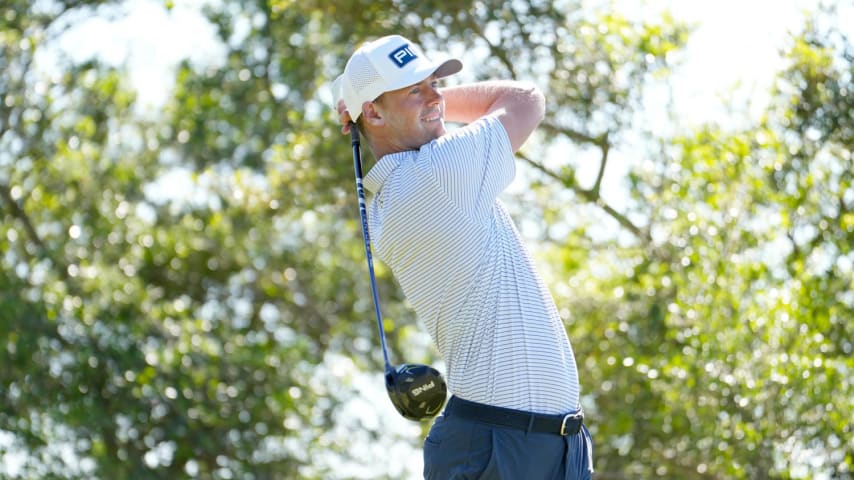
(439, 129)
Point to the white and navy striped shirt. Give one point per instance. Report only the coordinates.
(436, 221)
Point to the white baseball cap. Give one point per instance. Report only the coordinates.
(383, 65)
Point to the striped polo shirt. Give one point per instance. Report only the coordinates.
(436, 221)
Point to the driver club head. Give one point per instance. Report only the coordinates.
(417, 391)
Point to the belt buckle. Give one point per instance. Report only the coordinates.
(569, 416)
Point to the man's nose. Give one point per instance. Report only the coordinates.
(435, 95)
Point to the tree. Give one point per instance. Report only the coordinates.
(131, 339)
(729, 330)
(186, 295)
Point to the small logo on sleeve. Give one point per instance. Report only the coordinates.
(402, 55)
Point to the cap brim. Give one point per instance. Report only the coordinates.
(448, 67)
(441, 70)
(337, 91)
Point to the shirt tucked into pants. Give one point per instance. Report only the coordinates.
(458, 448)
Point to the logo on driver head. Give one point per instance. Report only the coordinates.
(402, 55)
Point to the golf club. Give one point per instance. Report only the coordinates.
(417, 391)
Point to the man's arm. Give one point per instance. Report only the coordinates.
(519, 106)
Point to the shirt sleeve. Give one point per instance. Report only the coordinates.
(473, 164)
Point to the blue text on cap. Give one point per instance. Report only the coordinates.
(402, 55)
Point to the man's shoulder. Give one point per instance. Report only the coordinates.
(482, 126)
(484, 138)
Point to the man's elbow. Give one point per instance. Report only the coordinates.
(535, 101)
(524, 107)
(540, 100)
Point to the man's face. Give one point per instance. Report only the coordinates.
(414, 115)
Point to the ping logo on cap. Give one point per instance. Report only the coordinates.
(402, 55)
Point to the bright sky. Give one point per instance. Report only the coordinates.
(150, 41)
(736, 42)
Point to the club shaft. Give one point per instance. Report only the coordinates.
(363, 214)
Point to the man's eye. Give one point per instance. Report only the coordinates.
(414, 90)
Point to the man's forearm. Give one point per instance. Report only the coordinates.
(518, 106)
(466, 103)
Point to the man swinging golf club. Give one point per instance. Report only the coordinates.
(436, 221)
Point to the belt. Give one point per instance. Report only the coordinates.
(569, 424)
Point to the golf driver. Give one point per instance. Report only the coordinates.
(417, 391)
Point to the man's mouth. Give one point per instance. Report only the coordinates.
(432, 117)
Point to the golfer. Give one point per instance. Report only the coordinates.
(436, 221)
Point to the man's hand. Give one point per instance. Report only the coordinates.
(344, 117)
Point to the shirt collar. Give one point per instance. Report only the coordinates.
(376, 177)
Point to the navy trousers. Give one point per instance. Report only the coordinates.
(462, 449)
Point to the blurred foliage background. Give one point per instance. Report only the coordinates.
(184, 294)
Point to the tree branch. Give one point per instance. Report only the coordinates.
(591, 195)
(606, 147)
(493, 49)
(19, 213)
(574, 135)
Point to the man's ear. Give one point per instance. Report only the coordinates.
(371, 114)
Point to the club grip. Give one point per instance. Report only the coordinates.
(354, 134)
